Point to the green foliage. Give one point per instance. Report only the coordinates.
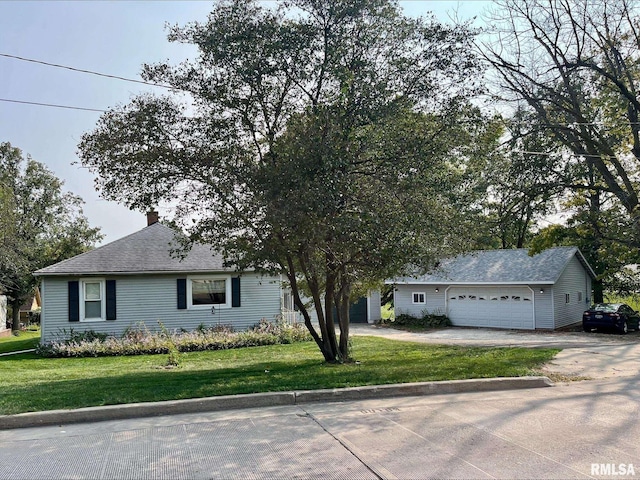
(40, 224)
(173, 359)
(326, 142)
(426, 321)
(578, 102)
(31, 383)
(139, 340)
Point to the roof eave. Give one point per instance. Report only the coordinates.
(141, 272)
(430, 282)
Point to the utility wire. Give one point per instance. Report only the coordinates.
(52, 105)
(83, 71)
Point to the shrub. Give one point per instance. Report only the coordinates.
(138, 340)
(428, 320)
(34, 316)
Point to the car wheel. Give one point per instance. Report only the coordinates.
(624, 328)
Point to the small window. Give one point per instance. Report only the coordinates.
(526, 299)
(482, 297)
(515, 298)
(462, 297)
(504, 298)
(419, 298)
(494, 298)
(472, 297)
(567, 298)
(579, 296)
(92, 303)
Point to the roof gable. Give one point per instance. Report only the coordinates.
(503, 267)
(145, 251)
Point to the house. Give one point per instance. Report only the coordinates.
(136, 280)
(4, 331)
(30, 307)
(502, 289)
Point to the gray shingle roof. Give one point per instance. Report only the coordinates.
(145, 251)
(502, 267)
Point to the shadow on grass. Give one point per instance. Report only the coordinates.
(110, 381)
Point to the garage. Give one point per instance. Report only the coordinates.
(501, 289)
(499, 307)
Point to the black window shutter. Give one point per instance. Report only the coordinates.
(111, 299)
(182, 294)
(74, 301)
(235, 292)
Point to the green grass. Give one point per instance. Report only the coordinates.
(31, 383)
(25, 340)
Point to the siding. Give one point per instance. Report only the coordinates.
(374, 308)
(543, 306)
(403, 299)
(574, 279)
(153, 299)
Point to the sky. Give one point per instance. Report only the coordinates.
(111, 37)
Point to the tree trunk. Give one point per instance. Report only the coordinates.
(598, 291)
(345, 293)
(15, 315)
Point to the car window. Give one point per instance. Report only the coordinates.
(605, 307)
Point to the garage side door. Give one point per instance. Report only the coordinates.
(498, 307)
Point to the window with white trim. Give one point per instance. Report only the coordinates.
(211, 291)
(419, 298)
(92, 300)
(567, 298)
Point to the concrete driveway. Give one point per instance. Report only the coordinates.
(583, 355)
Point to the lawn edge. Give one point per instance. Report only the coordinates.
(267, 399)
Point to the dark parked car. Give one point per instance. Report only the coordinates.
(610, 316)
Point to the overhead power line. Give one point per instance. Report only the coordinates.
(15, 57)
(52, 105)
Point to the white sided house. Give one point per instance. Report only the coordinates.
(136, 280)
(502, 289)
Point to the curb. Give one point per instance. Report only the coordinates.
(270, 399)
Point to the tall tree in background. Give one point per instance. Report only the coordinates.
(39, 225)
(323, 139)
(575, 66)
(522, 184)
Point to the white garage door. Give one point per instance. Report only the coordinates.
(501, 307)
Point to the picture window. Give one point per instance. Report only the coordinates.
(207, 292)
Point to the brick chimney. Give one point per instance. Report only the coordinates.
(152, 217)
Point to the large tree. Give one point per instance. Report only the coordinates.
(522, 185)
(575, 65)
(40, 224)
(325, 140)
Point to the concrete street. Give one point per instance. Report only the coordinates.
(577, 429)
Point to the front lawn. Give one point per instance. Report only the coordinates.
(32, 383)
(24, 340)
